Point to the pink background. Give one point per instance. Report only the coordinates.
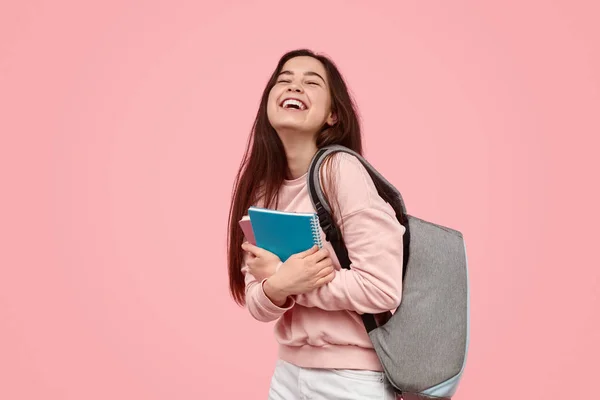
(122, 125)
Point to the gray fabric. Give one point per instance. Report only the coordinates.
(424, 344)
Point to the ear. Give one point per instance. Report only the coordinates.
(332, 119)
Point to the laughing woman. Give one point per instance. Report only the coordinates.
(324, 349)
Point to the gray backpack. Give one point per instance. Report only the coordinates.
(423, 345)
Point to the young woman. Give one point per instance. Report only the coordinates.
(324, 349)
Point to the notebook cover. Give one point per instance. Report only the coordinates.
(246, 226)
(284, 233)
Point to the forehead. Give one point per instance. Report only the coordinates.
(303, 64)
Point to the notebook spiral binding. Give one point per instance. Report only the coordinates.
(315, 225)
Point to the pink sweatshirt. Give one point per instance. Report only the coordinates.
(323, 328)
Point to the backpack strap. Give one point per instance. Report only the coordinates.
(332, 232)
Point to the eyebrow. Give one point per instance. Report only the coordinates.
(308, 73)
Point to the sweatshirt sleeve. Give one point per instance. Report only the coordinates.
(373, 237)
(257, 302)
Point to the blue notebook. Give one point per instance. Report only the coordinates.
(284, 233)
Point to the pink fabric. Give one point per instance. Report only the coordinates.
(323, 328)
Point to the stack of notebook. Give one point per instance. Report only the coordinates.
(282, 233)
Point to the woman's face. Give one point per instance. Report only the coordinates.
(300, 100)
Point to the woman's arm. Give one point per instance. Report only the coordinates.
(259, 295)
(373, 237)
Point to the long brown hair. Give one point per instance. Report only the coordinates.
(264, 164)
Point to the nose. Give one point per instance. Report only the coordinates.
(294, 88)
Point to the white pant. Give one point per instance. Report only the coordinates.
(290, 382)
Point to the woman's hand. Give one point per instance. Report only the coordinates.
(261, 263)
(301, 273)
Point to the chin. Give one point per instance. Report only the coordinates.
(282, 123)
(285, 123)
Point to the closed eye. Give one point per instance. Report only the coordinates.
(313, 83)
(284, 81)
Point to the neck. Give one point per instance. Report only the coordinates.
(299, 150)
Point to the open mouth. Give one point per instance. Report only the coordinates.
(293, 104)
